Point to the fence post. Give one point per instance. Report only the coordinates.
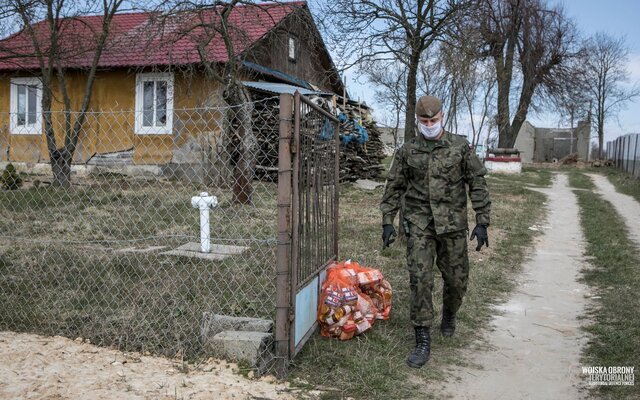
(336, 193)
(295, 219)
(619, 151)
(283, 251)
(635, 156)
(627, 145)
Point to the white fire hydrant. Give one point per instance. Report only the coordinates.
(204, 202)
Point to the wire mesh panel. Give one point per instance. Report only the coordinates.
(314, 211)
(114, 255)
(315, 190)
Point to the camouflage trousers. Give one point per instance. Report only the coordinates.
(449, 252)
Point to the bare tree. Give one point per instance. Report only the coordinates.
(390, 92)
(42, 40)
(530, 44)
(467, 84)
(607, 74)
(478, 89)
(367, 32)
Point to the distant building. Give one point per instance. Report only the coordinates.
(550, 144)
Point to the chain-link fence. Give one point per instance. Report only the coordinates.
(625, 153)
(115, 257)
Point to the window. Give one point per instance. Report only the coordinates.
(293, 48)
(154, 103)
(26, 106)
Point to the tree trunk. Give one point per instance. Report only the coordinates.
(410, 113)
(61, 167)
(241, 142)
(503, 119)
(600, 139)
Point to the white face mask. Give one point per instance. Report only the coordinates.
(430, 132)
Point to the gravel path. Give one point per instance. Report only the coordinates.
(536, 339)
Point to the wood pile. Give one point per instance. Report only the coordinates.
(266, 128)
(357, 161)
(360, 161)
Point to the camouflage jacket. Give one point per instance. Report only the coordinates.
(429, 179)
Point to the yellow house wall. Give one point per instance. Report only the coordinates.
(4, 118)
(110, 126)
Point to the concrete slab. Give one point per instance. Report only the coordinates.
(149, 249)
(253, 348)
(367, 184)
(218, 251)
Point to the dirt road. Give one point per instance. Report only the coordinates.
(536, 339)
(626, 206)
(39, 367)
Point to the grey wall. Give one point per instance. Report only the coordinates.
(525, 142)
(547, 144)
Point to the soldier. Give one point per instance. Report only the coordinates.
(429, 179)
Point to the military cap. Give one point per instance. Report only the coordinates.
(428, 106)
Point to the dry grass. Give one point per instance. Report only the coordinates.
(67, 265)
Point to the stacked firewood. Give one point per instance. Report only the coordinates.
(359, 158)
(266, 128)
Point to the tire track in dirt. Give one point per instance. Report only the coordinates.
(626, 206)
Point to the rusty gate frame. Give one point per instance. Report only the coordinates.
(288, 281)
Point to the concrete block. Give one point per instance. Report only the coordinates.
(253, 348)
(212, 324)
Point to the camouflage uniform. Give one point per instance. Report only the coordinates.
(429, 181)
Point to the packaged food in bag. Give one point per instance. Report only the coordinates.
(351, 300)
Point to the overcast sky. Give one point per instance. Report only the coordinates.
(615, 17)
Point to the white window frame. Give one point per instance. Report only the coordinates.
(292, 45)
(141, 78)
(33, 129)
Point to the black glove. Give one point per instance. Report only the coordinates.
(387, 231)
(480, 231)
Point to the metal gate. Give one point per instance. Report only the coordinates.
(308, 178)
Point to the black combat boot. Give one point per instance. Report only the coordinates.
(448, 325)
(420, 355)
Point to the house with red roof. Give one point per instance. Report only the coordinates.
(150, 83)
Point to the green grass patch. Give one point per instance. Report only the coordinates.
(372, 366)
(529, 176)
(579, 180)
(615, 278)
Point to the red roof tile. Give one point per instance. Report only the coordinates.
(148, 39)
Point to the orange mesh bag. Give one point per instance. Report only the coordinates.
(347, 271)
(380, 294)
(352, 298)
(337, 304)
(372, 283)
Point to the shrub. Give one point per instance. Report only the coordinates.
(10, 178)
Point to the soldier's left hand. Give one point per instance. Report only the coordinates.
(480, 231)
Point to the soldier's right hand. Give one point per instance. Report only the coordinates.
(387, 232)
